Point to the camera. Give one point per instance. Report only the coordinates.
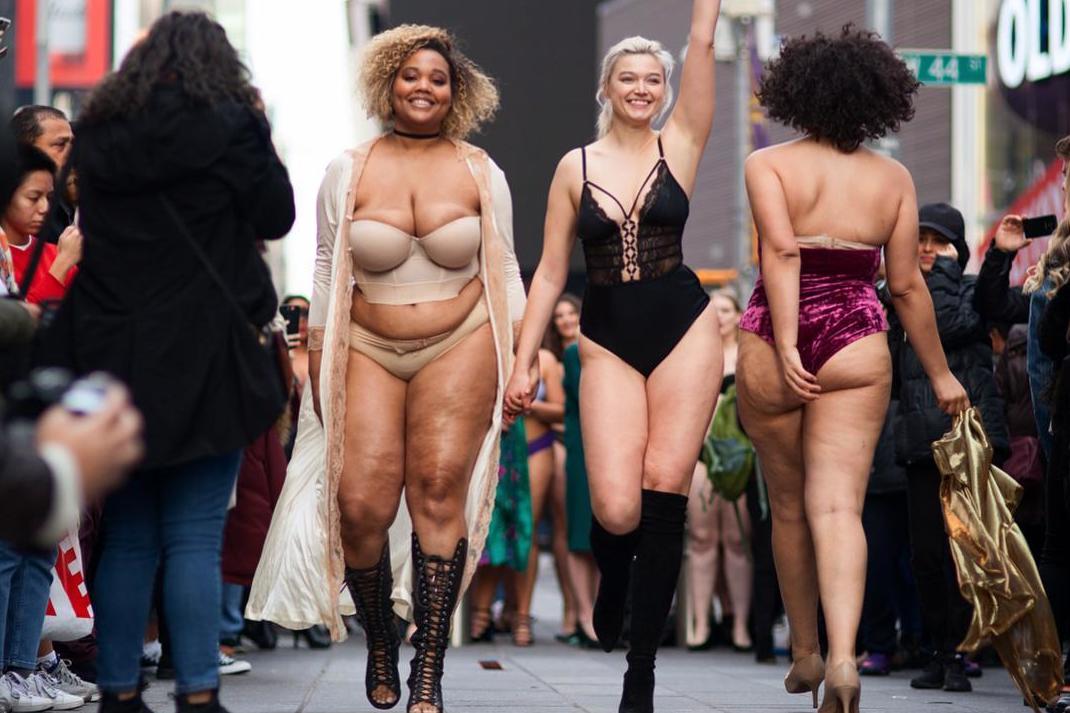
(44, 388)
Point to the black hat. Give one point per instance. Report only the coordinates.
(947, 221)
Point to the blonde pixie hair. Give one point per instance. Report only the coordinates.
(475, 98)
(631, 46)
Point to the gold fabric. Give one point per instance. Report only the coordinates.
(995, 569)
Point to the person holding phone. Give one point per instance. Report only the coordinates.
(174, 254)
(998, 301)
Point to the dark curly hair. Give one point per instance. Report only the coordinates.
(843, 90)
(185, 48)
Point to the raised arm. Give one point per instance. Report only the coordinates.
(547, 284)
(913, 303)
(780, 268)
(692, 118)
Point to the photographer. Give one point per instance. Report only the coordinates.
(177, 180)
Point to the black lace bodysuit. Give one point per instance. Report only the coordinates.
(641, 299)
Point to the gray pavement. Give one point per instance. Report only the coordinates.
(550, 678)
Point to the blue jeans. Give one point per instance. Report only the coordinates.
(25, 578)
(233, 619)
(172, 518)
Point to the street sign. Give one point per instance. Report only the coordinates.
(940, 68)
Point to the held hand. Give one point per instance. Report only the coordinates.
(950, 396)
(70, 245)
(802, 382)
(1010, 236)
(105, 444)
(518, 393)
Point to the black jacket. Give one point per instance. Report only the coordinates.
(994, 299)
(143, 307)
(964, 336)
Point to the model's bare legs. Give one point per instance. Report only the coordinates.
(772, 417)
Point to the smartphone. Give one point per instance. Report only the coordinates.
(1040, 227)
(292, 314)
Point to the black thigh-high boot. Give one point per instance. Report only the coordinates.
(370, 589)
(613, 554)
(436, 584)
(657, 569)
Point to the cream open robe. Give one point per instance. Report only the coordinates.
(299, 581)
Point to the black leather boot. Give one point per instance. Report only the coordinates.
(370, 589)
(437, 582)
(657, 569)
(614, 555)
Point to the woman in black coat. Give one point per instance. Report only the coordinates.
(964, 336)
(178, 180)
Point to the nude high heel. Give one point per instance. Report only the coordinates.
(842, 690)
(805, 675)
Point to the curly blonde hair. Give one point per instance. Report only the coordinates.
(475, 97)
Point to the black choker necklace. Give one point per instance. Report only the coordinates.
(418, 137)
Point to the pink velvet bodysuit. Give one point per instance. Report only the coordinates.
(838, 303)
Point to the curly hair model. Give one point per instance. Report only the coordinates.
(842, 90)
(813, 372)
(649, 341)
(474, 97)
(410, 335)
(187, 48)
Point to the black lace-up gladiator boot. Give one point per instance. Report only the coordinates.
(437, 582)
(657, 569)
(614, 555)
(370, 589)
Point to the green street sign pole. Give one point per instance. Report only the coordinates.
(944, 68)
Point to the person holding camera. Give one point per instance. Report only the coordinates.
(48, 469)
(178, 180)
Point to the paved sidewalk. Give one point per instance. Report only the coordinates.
(551, 678)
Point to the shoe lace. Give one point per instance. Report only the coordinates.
(432, 634)
(41, 684)
(65, 676)
(16, 684)
(370, 591)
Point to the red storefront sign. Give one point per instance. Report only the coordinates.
(79, 68)
(1044, 197)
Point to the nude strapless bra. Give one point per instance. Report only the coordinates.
(391, 266)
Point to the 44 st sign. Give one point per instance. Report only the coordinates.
(937, 67)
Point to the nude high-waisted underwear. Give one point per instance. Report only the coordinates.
(405, 357)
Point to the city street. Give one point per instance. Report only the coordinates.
(550, 678)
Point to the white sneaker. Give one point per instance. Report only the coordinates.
(7, 701)
(229, 666)
(68, 681)
(40, 684)
(23, 699)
